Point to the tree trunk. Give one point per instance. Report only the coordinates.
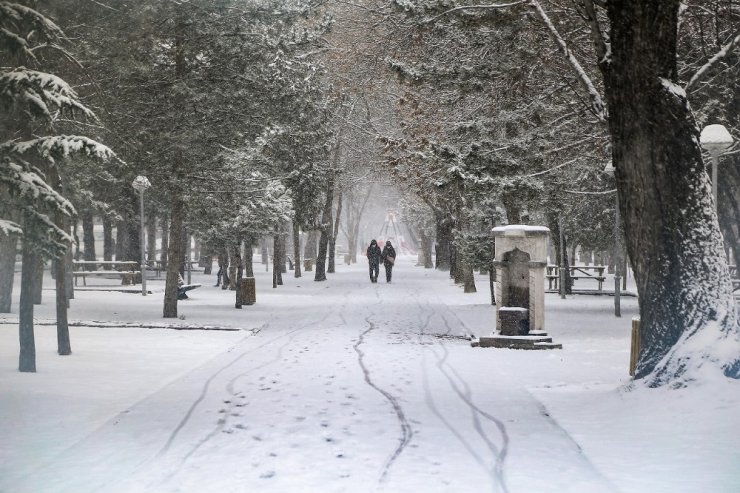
(151, 237)
(334, 234)
(232, 267)
(175, 257)
(27, 357)
(8, 247)
(426, 248)
(239, 273)
(165, 243)
(282, 252)
(88, 237)
(64, 346)
(554, 225)
(310, 252)
(108, 243)
(297, 249)
(277, 270)
(443, 246)
(513, 209)
(326, 228)
(38, 282)
(248, 246)
(687, 312)
(121, 240)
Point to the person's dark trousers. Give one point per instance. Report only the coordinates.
(388, 272)
(374, 271)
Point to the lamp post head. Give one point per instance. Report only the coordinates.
(141, 183)
(715, 138)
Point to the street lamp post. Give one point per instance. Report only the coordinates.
(617, 249)
(140, 184)
(716, 139)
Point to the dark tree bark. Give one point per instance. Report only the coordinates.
(165, 246)
(121, 240)
(88, 237)
(297, 249)
(151, 237)
(333, 239)
(444, 242)
(239, 273)
(8, 247)
(554, 225)
(310, 250)
(276, 255)
(38, 282)
(108, 243)
(231, 255)
(671, 227)
(513, 208)
(728, 189)
(27, 357)
(426, 250)
(326, 226)
(64, 347)
(249, 242)
(175, 257)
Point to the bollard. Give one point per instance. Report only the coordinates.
(635, 346)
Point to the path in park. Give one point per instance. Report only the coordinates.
(344, 386)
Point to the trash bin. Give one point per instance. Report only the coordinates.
(247, 293)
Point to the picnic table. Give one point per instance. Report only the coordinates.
(126, 270)
(158, 265)
(595, 272)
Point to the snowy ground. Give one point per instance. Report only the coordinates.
(350, 386)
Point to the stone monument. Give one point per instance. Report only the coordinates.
(520, 261)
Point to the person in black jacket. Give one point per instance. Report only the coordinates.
(373, 260)
(389, 258)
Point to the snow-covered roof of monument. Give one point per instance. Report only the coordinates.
(520, 228)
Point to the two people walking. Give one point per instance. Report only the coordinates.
(375, 256)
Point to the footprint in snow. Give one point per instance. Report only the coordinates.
(267, 475)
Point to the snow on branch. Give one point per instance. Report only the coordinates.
(597, 104)
(31, 187)
(61, 146)
(41, 91)
(9, 228)
(476, 7)
(726, 50)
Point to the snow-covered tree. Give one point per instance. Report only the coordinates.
(31, 153)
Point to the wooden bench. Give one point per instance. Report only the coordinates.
(576, 273)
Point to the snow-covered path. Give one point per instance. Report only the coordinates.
(344, 386)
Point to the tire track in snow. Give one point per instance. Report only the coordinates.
(406, 431)
(465, 394)
(429, 398)
(497, 475)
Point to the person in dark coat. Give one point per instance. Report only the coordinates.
(389, 258)
(373, 260)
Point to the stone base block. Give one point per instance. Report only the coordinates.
(540, 341)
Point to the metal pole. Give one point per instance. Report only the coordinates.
(562, 258)
(617, 261)
(715, 165)
(142, 243)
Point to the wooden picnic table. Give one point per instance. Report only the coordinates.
(576, 272)
(126, 270)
